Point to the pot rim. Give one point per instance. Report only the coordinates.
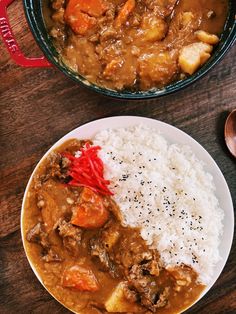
(218, 54)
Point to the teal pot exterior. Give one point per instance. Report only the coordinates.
(33, 11)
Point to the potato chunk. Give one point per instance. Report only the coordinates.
(156, 69)
(111, 68)
(193, 56)
(207, 38)
(154, 28)
(187, 18)
(118, 302)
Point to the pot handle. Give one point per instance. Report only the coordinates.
(11, 44)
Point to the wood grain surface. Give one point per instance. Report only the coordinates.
(38, 106)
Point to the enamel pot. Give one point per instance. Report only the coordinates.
(34, 16)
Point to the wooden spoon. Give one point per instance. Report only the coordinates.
(230, 132)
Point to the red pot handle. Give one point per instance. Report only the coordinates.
(11, 44)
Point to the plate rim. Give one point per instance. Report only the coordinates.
(134, 120)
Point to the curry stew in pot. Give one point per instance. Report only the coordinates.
(86, 257)
(135, 44)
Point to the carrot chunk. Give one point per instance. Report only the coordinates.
(79, 278)
(91, 212)
(124, 13)
(94, 8)
(81, 15)
(81, 23)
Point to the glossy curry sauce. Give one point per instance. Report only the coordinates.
(113, 253)
(142, 51)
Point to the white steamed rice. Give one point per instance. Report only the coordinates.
(164, 189)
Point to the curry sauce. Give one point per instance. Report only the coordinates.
(135, 45)
(106, 268)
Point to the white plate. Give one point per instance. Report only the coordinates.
(173, 135)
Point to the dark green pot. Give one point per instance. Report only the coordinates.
(33, 11)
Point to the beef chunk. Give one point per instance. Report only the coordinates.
(59, 167)
(51, 256)
(162, 298)
(71, 235)
(131, 295)
(132, 252)
(100, 253)
(110, 235)
(54, 201)
(102, 247)
(39, 236)
(146, 286)
(151, 267)
(162, 8)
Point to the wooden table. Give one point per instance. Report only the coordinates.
(38, 106)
